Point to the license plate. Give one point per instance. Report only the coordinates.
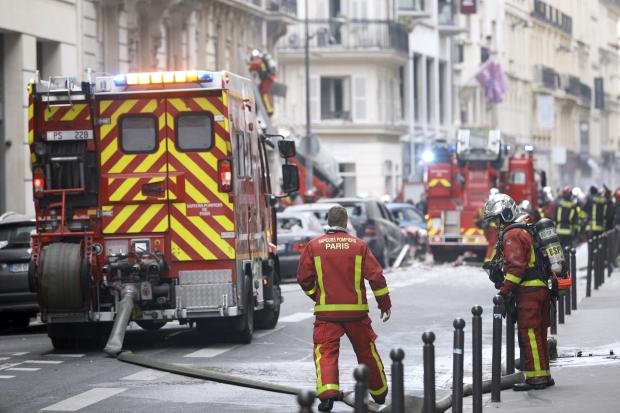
(69, 135)
(18, 267)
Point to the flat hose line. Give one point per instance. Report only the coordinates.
(413, 404)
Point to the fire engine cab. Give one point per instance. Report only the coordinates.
(153, 203)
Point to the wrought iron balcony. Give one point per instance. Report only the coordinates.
(353, 35)
(282, 6)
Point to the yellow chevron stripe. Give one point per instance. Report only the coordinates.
(145, 218)
(190, 239)
(225, 247)
(200, 174)
(207, 106)
(122, 109)
(195, 194)
(179, 105)
(171, 194)
(179, 253)
(122, 190)
(103, 105)
(73, 112)
(150, 159)
(162, 226)
(50, 112)
(150, 107)
(224, 100)
(209, 158)
(226, 223)
(140, 197)
(121, 164)
(220, 144)
(109, 150)
(119, 219)
(30, 129)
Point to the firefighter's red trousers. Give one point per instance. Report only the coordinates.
(326, 349)
(533, 305)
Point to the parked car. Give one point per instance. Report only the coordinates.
(319, 211)
(295, 230)
(18, 302)
(412, 224)
(375, 225)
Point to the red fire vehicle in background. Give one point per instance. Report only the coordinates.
(458, 183)
(153, 203)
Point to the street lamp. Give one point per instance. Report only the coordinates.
(309, 165)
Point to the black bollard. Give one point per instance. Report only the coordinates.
(496, 363)
(589, 274)
(429, 372)
(595, 264)
(457, 365)
(305, 399)
(476, 354)
(398, 381)
(361, 389)
(573, 288)
(560, 309)
(601, 252)
(510, 342)
(608, 245)
(553, 309)
(567, 297)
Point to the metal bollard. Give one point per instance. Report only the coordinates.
(496, 366)
(601, 252)
(595, 264)
(398, 381)
(361, 389)
(573, 288)
(553, 309)
(457, 365)
(510, 342)
(560, 303)
(476, 353)
(589, 274)
(305, 399)
(608, 246)
(429, 372)
(567, 297)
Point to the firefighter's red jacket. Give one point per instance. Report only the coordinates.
(519, 262)
(332, 270)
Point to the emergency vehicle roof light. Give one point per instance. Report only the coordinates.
(119, 80)
(146, 78)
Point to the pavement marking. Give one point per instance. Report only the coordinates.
(6, 377)
(85, 399)
(65, 355)
(24, 368)
(23, 353)
(211, 351)
(44, 361)
(295, 317)
(144, 375)
(268, 332)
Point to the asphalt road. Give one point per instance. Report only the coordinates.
(33, 377)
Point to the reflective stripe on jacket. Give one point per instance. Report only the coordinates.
(332, 269)
(597, 214)
(565, 217)
(519, 262)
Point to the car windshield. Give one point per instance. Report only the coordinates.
(354, 210)
(290, 224)
(406, 214)
(18, 234)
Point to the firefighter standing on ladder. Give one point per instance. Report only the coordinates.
(523, 280)
(331, 271)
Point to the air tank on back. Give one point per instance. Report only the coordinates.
(550, 245)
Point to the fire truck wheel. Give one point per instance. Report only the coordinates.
(64, 278)
(244, 324)
(151, 325)
(267, 319)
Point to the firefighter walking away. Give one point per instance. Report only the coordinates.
(566, 216)
(332, 270)
(518, 270)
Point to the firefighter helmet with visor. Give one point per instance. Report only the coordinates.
(500, 206)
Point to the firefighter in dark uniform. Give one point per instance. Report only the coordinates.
(566, 217)
(522, 280)
(331, 271)
(598, 211)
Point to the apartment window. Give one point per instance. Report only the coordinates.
(429, 90)
(416, 88)
(485, 54)
(442, 91)
(347, 172)
(401, 91)
(335, 102)
(411, 5)
(446, 12)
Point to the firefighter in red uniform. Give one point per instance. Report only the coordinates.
(332, 269)
(523, 281)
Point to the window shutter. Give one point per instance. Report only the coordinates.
(314, 99)
(359, 99)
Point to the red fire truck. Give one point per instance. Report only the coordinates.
(153, 203)
(458, 184)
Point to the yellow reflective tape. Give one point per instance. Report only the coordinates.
(119, 219)
(150, 107)
(121, 164)
(109, 150)
(533, 283)
(145, 218)
(214, 236)
(179, 253)
(209, 158)
(312, 291)
(196, 195)
(224, 100)
(33, 158)
(327, 387)
(540, 373)
(179, 104)
(445, 182)
(317, 362)
(433, 182)
(383, 388)
(534, 346)
(220, 143)
(358, 278)
(513, 278)
(150, 159)
(50, 111)
(191, 240)
(532, 262)
(162, 226)
(381, 292)
(72, 113)
(226, 223)
(103, 105)
(340, 307)
(319, 274)
(123, 189)
(207, 106)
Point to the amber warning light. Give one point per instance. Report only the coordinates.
(154, 78)
(225, 173)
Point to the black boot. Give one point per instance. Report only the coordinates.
(326, 405)
(527, 386)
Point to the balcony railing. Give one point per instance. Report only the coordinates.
(283, 6)
(353, 35)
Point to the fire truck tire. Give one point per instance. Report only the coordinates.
(64, 279)
(151, 325)
(244, 324)
(267, 319)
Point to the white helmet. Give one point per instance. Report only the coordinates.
(500, 206)
(493, 191)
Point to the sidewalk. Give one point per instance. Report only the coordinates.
(583, 384)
